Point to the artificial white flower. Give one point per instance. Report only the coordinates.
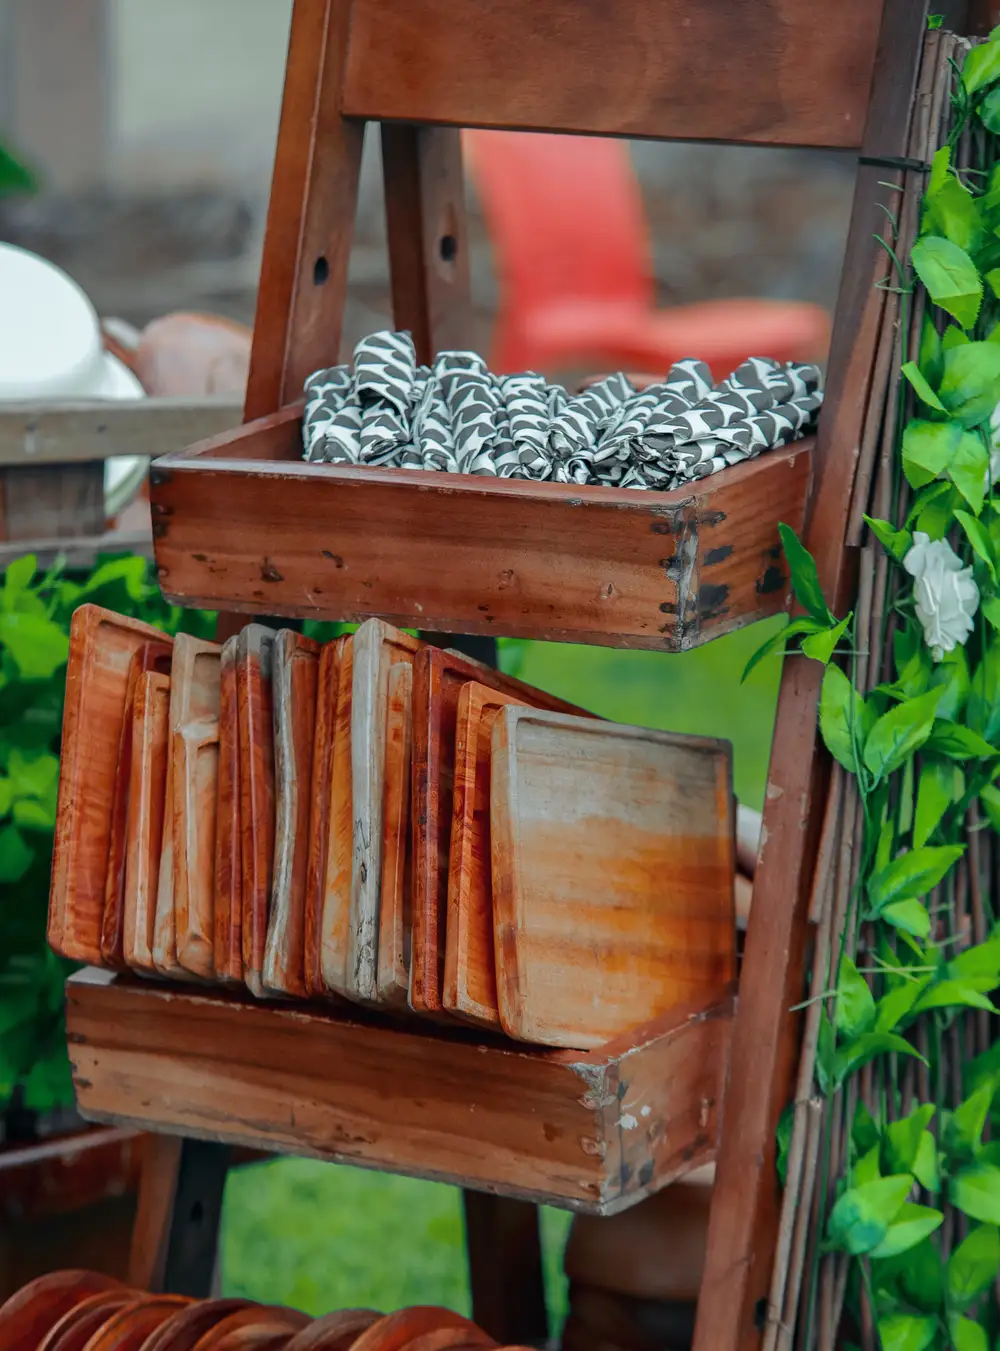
(945, 595)
(993, 473)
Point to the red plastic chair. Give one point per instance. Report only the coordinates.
(569, 233)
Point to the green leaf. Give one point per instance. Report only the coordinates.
(855, 1002)
(925, 1165)
(951, 279)
(947, 994)
(37, 645)
(902, 1139)
(909, 916)
(911, 1226)
(970, 385)
(958, 742)
(821, 646)
(844, 718)
(975, 1190)
(964, 1130)
(18, 577)
(914, 873)
(827, 1060)
(867, 1047)
(951, 676)
(898, 734)
(921, 388)
(983, 713)
(905, 1331)
(990, 799)
(973, 1266)
(6, 796)
(864, 1129)
(786, 1122)
(934, 21)
(805, 579)
(989, 112)
(953, 337)
(921, 1277)
(967, 1335)
(990, 610)
(949, 207)
(968, 469)
(981, 68)
(978, 537)
(33, 776)
(927, 449)
(866, 1169)
(15, 178)
(896, 1004)
(935, 794)
(897, 543)
(929, 353)
(778, 640)
(15, 855)
(861, 1218)
(980, 964)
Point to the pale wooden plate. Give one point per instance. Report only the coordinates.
(254, 666)
(227, 932)
(613, 861)
(327, 693)
(147, 793)
(394, 937)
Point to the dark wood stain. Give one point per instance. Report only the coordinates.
(718, 555)
(772, 580)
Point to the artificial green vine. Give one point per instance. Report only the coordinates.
(917, 1204)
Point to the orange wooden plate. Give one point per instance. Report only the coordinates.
(613, 860)
(265, 1323)
(151, 656)
(336, 1331)
(295, 675)
(470, 980)
(335, 907)
(37, 1307)
(395, 922)
(437, 681)
(327, 693)
(129, 1328)
(254, 664)
(147, 793)
(398, 1330)
(101, 646)
(228, 917)
(183, 1330)
(76, 1327)
(194, 749)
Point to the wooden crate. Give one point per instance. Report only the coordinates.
(592, 1131)
(241, 522)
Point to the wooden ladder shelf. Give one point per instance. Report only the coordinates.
(240, 522)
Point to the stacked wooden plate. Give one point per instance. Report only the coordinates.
(385, 822)
(82, 1311)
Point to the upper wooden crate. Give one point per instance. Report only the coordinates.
(241, 522)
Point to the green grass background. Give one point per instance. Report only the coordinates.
(319, 1237)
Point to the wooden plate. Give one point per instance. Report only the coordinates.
(470, 981)
(76, 1327)
(101, 645)
(437, 681)
(129, 1328)
(164, 946)
(395, 920)
(228, 917)
(336, 1331)
(260, 1325)
(613, 860)
(183, 1330)
(254, 665)
(335, 911)
(147, 792)
(377, 647)
(195, 692)
(151, 656)
(296, 670)
(37, 1307)
(327, 692)
(398, 1330)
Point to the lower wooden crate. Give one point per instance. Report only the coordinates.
(591, 1131)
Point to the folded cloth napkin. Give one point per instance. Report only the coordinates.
(457, 417)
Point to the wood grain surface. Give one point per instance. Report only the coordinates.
(147, 801)
(377, 647)
(613, 861)
(619, 68)
(164, 946)
(266, 1321)
(76, 1327)
(184, 1329)
(470, 981)
(33, 1310)
(296, 668)
(152, 656)
(320, 808)
(132, 1325)
(438, 677)
(335, 1331)
(254, 666)
(195, 695)
(335, 916)
(589, 1130)
(462, 554)
(395, 917)
(227, 936)
(101, 645)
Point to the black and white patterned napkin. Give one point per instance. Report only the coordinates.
(458, 418)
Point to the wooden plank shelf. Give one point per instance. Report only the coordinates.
(590, 1131)
(241, 522)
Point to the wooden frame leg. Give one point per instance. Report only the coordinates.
(505, 1269)
(176, 1235)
